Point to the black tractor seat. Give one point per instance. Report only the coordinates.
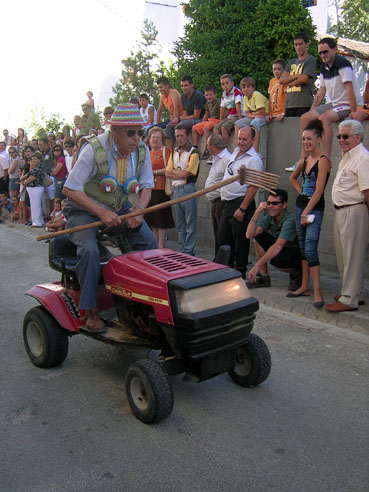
(63, 255)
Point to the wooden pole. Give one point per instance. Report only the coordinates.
(241, 177)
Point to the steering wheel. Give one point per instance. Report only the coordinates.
(121, 230)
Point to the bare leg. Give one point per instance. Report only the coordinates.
(327, 119)
(206, 134)
(260, 253)
(225, 135)
(155, 231)
(315, 275)
(195, 138)
(257, 140)
(236, 132)
(51, 205)
(161, 237)
(360, 115)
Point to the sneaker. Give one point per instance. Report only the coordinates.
(205, 155)
(261, 281)
(295, 281)
(291, 168)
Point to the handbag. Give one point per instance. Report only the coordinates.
(168, 182)
(47, 180)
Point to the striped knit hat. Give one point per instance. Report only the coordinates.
(126, 115)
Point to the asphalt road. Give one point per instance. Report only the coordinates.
(70, 428)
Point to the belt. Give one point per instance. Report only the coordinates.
(337, 207)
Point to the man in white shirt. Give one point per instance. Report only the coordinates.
(217, 147)
(350, 197)
(239, 203)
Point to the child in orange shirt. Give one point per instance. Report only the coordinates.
(277, 92)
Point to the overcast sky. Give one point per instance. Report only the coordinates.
(54, 52)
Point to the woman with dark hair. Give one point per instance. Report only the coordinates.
(160, 220)
(59, 172)
(34, 181)
(14, 171)
(314, 170)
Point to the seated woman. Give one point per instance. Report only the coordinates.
(160, 220)
(315, 170)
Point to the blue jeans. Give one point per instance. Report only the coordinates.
(88, 266)
(309, 236)
(186, 214)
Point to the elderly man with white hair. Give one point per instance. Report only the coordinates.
(350, 196)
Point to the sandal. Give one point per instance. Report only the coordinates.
(94, 324)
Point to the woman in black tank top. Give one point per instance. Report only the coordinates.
(314, 170)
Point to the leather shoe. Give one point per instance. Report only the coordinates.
(338, 306)
(361, 303)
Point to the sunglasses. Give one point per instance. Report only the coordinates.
(57, 150)
(324, 52)
(273, 204)
(344, 136)
(132, 133)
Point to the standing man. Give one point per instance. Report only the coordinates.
(217, 147)
(299, 77)
(193, 104)
(7, 138)
(239, 203)
(338, 81)
(183, 169)
(96, 187)
(350, 197)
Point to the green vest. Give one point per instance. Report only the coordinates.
(117, 198)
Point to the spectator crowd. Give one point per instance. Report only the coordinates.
(33, 173)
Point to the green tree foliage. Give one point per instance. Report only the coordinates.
(39, 123)
(140, 69)
(232, 36)
(353, 22)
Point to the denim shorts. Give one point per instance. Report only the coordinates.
(256, 122)
(14, 184)
(309, 236)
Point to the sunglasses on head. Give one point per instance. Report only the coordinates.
(273, 204)
(132, 133)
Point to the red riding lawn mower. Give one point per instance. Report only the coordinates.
(199, 314)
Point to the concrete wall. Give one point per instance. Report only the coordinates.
(280, 147)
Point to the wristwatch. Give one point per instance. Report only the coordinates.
(243, 210)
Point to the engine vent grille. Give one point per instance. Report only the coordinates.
(173, 262)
